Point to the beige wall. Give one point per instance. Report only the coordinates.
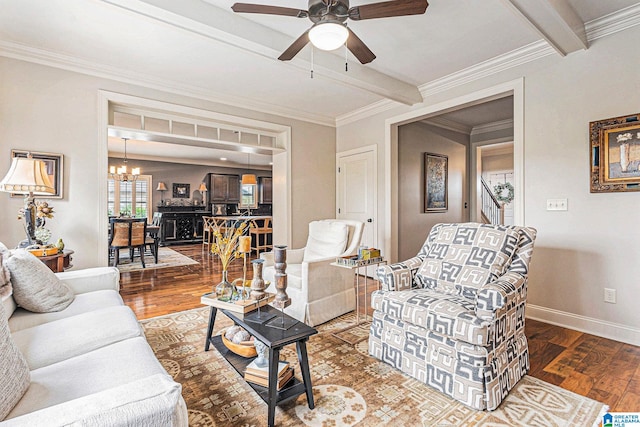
(52, 110)
(413, 223)
(501, 162)
(596, 243)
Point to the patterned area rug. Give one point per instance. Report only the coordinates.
(349, 386)
(166, 258)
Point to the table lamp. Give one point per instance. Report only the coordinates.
(162, 187)
(28, 176)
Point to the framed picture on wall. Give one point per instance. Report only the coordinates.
(615, 154)
(55, 169)
(436, 168)
(181, 191)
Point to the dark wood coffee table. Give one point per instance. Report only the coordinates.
(275, 339)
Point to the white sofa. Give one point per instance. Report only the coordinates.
(319, 291)
(90, 364)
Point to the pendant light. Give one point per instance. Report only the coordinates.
(121, 173)
(249, 178)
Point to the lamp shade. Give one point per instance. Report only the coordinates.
(26, 176)
(328, 35)
(202, 187)
(161, 186)
(248, 178)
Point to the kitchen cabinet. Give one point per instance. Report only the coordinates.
(224, 188)
(266, 190)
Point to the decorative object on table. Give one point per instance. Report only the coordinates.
(263, 354)
(122, 173)
(435, 182)
(258, 293)
(501, 196)
(181, 191)
(162, 187)
(240, 342)
(28, 176)
(260, 375)
(282, 299)
(60, 245)
(280, 257)
(244, 247)
(54, 167)
(225, 290)
(257, 283)
(615, 154)
(225, 246)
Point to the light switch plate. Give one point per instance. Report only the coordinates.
(557, 205)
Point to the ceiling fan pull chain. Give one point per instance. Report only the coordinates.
(312, 49)
(346, 56)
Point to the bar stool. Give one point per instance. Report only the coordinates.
(208, 223)
(265, 231)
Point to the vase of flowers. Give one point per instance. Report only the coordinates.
(225, 246)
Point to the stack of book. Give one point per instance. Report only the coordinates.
(257, 375)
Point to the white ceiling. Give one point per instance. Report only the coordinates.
(201, 48)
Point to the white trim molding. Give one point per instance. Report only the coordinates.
(589, 325)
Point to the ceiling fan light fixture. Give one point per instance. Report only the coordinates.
(328, 35)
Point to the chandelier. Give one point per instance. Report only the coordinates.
(122, 173)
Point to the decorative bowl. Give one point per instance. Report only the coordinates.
(244, 349)
(44, 251)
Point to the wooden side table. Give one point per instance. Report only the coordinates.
(275, 339)
(58, 262)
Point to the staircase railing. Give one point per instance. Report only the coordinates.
(492, 209)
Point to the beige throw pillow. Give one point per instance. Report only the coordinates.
(326, 239)
(35, 287)
(14, 370)
(5, 282)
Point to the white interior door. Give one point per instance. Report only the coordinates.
(357, 190)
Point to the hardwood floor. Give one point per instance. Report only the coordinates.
(602, 369)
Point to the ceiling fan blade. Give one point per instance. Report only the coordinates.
(359, 49)
(269, 10)
(295, 47)
(387, 9)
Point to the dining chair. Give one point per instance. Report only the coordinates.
(152, 238)
(127, 233)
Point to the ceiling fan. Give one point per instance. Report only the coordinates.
(329, 30)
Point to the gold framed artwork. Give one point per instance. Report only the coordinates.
(435, 182)
(615, 154)
(55, 170)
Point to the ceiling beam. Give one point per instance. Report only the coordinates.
(555, 21)
(232, 29)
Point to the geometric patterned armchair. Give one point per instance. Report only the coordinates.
(453, 316)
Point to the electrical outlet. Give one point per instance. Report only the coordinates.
(557, 204)
(610, 295)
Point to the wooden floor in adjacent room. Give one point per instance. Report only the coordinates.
(602, 369)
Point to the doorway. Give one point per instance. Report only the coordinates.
(514, 90)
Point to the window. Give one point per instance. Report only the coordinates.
(130, 198)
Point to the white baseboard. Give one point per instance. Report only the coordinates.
(589, 325)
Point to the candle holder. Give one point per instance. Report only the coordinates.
(282, 300)
(258, 294)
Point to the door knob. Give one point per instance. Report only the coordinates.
(370, 220)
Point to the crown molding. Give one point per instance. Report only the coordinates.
(69, 63)
(492, 127)
(598, 28)
(613, 23)
(447, 124)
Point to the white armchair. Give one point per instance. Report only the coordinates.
(319, 291)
